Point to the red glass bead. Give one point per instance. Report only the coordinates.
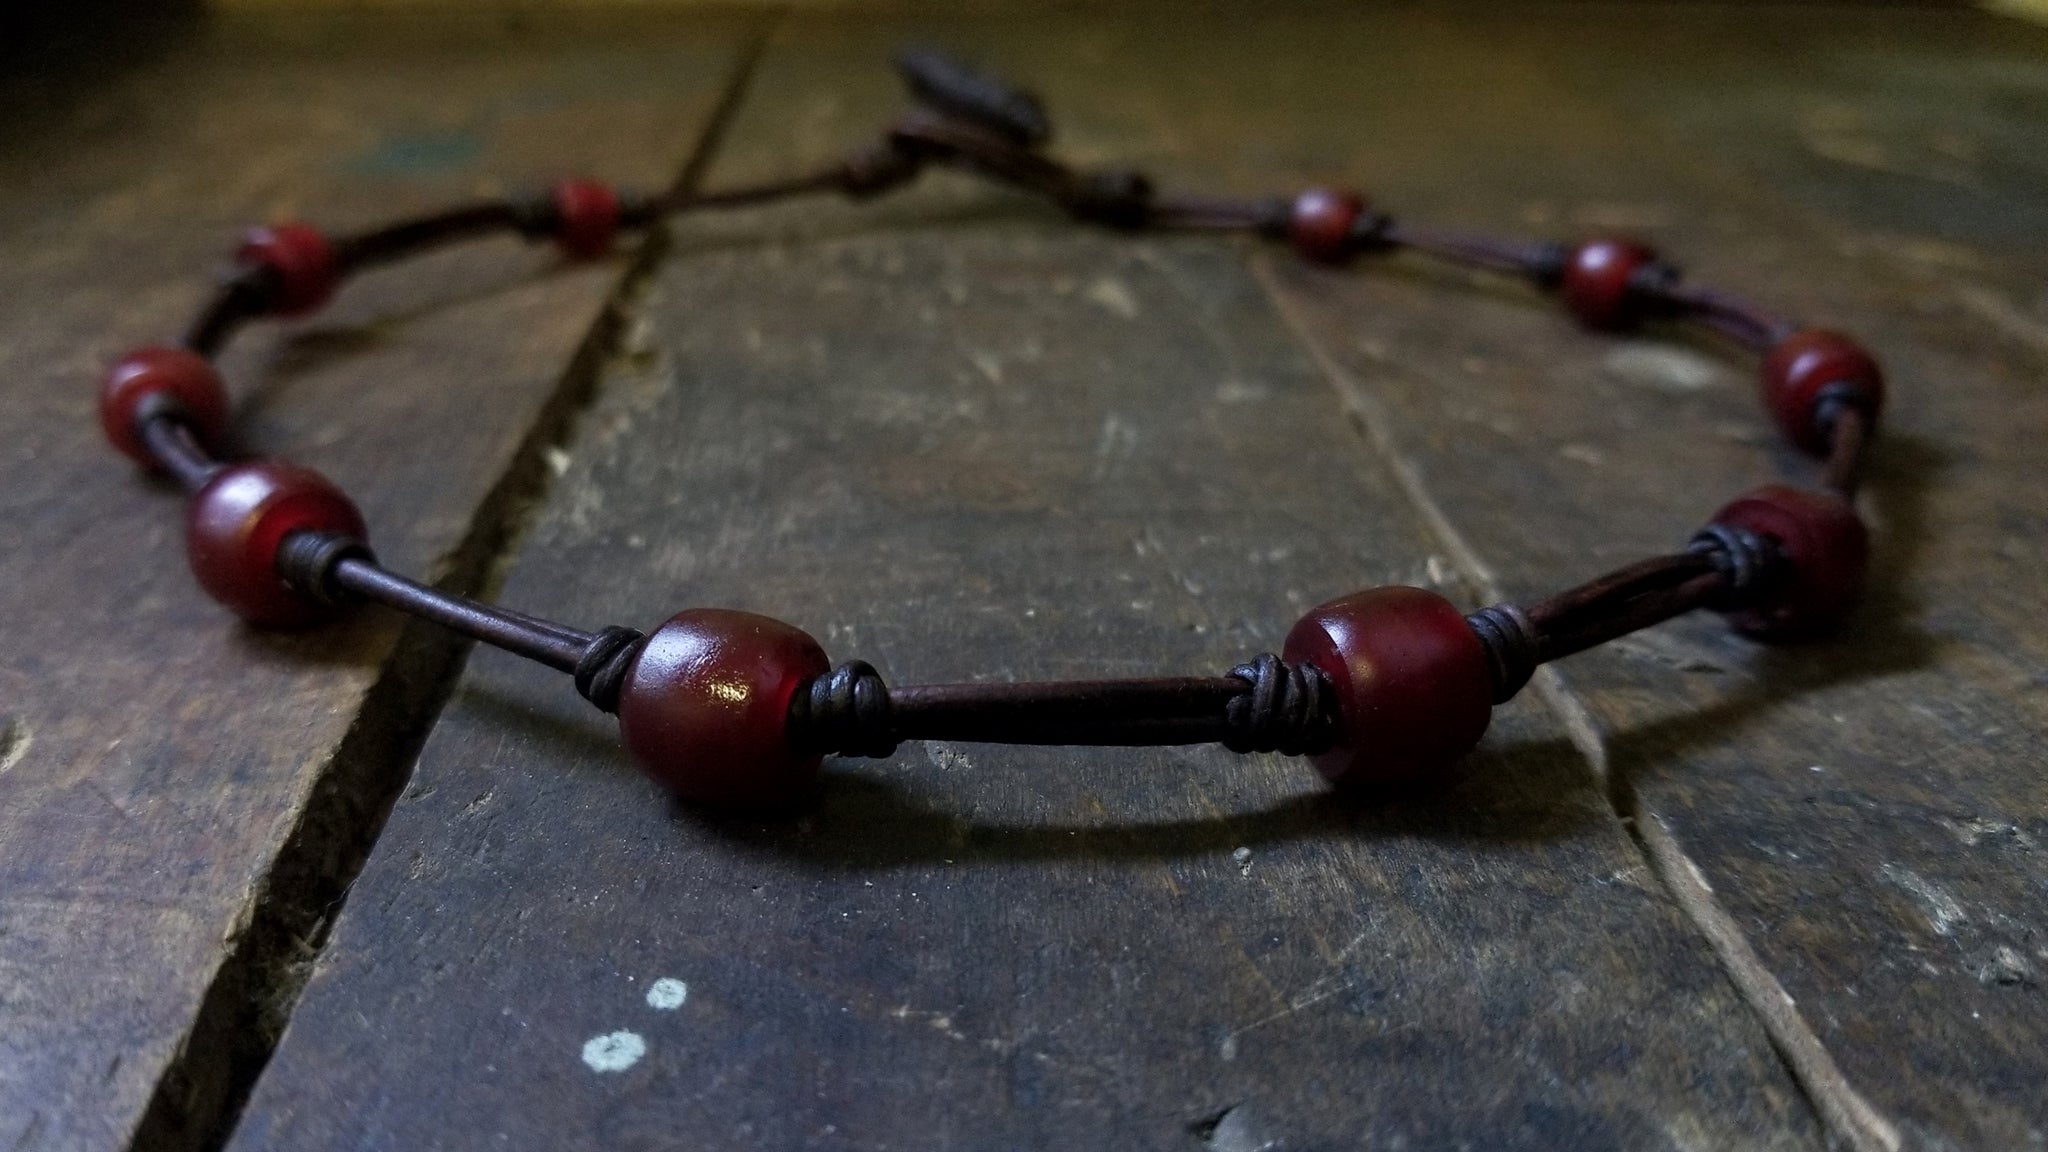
(175, 373)
(1826, 550)
(1320, 224)
(236, 523)
(1412, 686)
(590, 217)
(1806, 364)
(305, 264)
(1599, 280)
(704, 710)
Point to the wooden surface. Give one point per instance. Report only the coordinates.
(181, 797)
(1690, 894)
(1875, 828)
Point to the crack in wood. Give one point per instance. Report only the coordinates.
(251, 997)
(1844, 1111)
(15, 739)
(1238, 1128)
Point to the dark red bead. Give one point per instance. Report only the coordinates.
(1810, 365)
(1826, 551)
(236, 523)
(304, 262)
(705, 709)
(175, 374)
(1320, 224)
(1412, 686)
(589, 214)
(1599, 282)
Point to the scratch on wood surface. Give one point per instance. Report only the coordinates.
(1844, 1110)
(1316, 994)
(1941, 909)
(1114, 296)
(946, 757)
(1331, 984)
(2000, 313)
(98, 789)
(1978, 829)
(1149, 544)
(939, 1022)
(988, 364)
(1115, 442)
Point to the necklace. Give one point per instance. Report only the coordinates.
(1384, 686)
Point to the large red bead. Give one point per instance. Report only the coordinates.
(1599, 282)
(1412, 686)
(1808, 363)
(1827, 553)
(176, 374)
(589, 214)
(304, 262)
(1319, 224)
(238, 520)
(705, 708)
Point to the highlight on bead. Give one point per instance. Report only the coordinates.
(1320, 223)
(1811, 369)
(240, 519)
(1386, 686)
(704, 709)
(1601, 283)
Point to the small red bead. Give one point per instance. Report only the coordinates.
(590, 217)
(304, 262)
(1320, 224)
(705, 709)
(174, 373)
(1826, 550)
(1412, 686)
(1806, 364)
(238, 520)
(1599, 278)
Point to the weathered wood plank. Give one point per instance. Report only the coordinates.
(1914, 135)
(155, 759)
(1864, 811)
(1007, 450)
(1913, 127)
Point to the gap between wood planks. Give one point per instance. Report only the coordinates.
(200, 1097)
(1847, 1115)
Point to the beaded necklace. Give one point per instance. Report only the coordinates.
(1384, 686)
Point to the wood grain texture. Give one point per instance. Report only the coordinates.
(1865, 812)
(957, 437)
(156, 758)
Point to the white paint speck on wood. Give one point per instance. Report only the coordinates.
(667, 994)
(614, 1051)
